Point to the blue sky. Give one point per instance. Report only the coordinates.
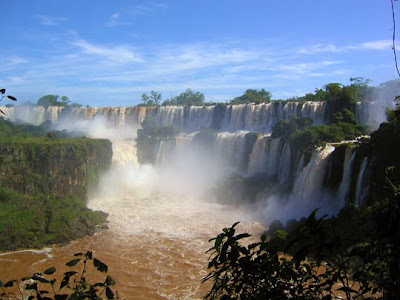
(107, 53)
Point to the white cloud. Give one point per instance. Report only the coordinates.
(306, 68)
(318, 48)
(377, 45)
(330, 48)
(113, 54)
(115, 20)
(51, 21)
(94, 72)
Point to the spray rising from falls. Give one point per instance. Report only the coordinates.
(192, 163)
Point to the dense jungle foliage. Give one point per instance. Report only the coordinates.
(35, 221)
(354, 255)
(38, 206)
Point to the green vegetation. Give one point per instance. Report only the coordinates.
(33, 221)
(304, 137)
(354, 255)
(349, 256)
(53, 100)
(44, 182)
(151, 100)
(74, 283)
(151, 129)
(56, 100)
(253, 96)
(48, 165)
(187, 97)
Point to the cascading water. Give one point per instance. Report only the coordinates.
(361, 189)
(159, 227)
(285, 165)
(307, 189)
(231, 118)
(159, 222)
(344, 187)
(259, 156)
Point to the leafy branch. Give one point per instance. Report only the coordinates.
(2, 92)
(43, 286)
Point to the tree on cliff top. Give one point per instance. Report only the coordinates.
(253, 96)
(153, 99)
(188, 97)
(53, 100)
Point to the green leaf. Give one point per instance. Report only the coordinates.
(98, 284)
(25, 278)
(242, 235)
(64, 282)
(41, 279)
(70, 273)
(72, 262)
(89, 255)
(109, 280)
(67, 276)
(109, 293)
(100, 265)
(12, 98)
(9, 283)
(50, 271)
(32, 286)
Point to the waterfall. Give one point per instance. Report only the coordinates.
(265, 157)
(285, 165)
(307, 190)
(230, 148)
(361, 188)
(300, 167)
(166, 148)
(344, 187)
(248, 117)
(259, 156)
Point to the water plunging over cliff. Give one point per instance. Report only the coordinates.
(231, 118)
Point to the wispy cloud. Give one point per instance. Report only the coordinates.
(330, 48)
(115, 20)
(306, 68)
(114, 54)
(377, 45)
(86, 70)
(50, 20)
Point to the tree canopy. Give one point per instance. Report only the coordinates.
(53, 100)
(253, 96)
(153, 99)
(188, 97)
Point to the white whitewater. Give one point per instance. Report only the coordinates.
(361, 189)
(344, 187)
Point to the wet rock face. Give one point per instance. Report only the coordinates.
(60, 167)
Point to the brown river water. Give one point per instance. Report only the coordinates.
(156, 242)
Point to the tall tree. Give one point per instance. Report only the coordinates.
(188, 97)
(253, 96)
(153, 99)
